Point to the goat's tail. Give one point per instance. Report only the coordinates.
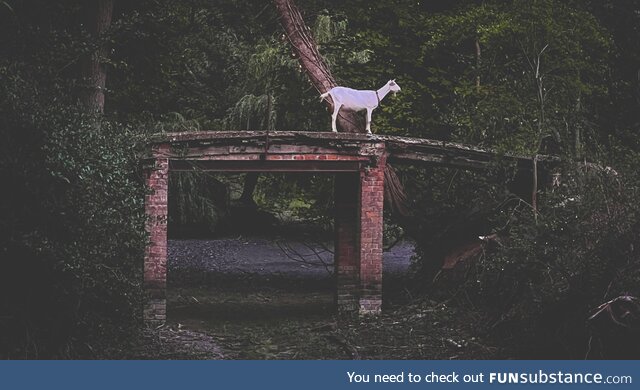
(324, 96)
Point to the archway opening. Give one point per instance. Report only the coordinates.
(262, 274)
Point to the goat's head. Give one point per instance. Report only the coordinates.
(393, 87)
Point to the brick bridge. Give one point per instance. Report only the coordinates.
(357, 162)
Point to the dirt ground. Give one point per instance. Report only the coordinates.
(270, 256)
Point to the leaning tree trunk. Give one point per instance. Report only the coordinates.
(94, 72)
(320, 76)
(312, 62)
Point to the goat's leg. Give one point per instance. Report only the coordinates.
(334, 117)
(369, 111)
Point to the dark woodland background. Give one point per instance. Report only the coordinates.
(524, 77)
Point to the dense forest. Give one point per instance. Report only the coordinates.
(84, 83)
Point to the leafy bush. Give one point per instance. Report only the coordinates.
(72, 231)
(541, 283)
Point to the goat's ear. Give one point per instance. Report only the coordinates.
(392, 82)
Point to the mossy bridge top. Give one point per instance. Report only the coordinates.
(290, 151)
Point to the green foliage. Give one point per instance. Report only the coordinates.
(550, 76)
(176, 56)
(276, 93)
(72, 233)
(542, 82)
(297, 197)
(198, 203)
(544, 66)
(326, 28)
(253, 112)
(546, 277)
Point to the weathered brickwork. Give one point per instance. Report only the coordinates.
(359, 201)
(155, 259)
(371, 225)
(312, 156)
(359, 191)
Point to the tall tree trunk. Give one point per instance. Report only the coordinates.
(94, 72)
(320, 76)
(250, 182)
(478, 63)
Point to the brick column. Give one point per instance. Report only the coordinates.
(155, 258)
(371, 224)
(346, 253)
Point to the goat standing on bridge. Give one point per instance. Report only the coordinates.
(358, 100)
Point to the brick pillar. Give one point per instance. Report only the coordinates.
(346, 254)
(371, 224)
(155, 258)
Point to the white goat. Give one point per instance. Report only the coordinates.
(358, 100)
